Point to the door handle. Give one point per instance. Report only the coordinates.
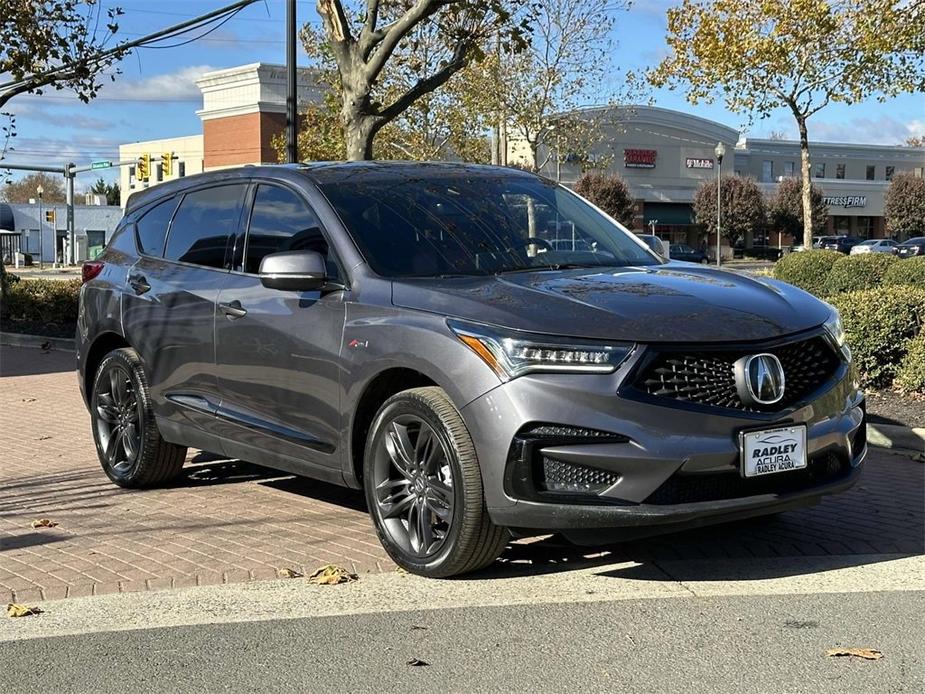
(139, 284)
(233, 310)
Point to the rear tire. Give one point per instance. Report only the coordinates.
(424, 487)
(130, 447)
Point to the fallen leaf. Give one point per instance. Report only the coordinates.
(288, 573)
(43, 438)
(417, 662)
(28, 400)
(416, 627)
(400, 570)
(44, 523)
(17, 610)
(330, 575)
(865, 653)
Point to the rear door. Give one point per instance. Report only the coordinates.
(277, 352)
(169, 309)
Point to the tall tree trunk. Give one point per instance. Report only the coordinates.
(806, 192)
(359, 126)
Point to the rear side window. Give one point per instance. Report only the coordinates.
(152, 227)
(203, 224)
(282, 221)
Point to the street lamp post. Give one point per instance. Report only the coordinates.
(720, 152)
(40, 191)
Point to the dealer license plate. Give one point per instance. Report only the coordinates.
(773, 450)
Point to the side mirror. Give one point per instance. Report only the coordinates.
(295, 271)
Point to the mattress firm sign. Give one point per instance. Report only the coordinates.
(639, 158)
(693, 163)
(845, 201)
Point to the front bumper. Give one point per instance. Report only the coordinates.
(656, 446)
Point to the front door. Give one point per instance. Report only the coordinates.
(277, 352)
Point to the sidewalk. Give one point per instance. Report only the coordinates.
(229, 522)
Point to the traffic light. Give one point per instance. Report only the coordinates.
(167, 163)
(50, 216)
(143, 171)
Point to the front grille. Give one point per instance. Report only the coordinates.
(568, 478)
(686, 489)
(707, 377)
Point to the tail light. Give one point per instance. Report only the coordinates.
(91, 269)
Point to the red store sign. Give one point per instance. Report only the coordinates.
(639, 158)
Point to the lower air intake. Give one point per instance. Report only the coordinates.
(566, 478)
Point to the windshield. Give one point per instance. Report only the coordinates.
(465, 224)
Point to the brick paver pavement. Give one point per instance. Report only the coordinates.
(229, 521)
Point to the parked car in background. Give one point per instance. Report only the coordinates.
(822, 241)
(842, 244)
(911, 248)
(398, 327)
(874, 246)
(655, 243)
(680, 251)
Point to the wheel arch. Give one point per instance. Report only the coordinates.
(102, 345)
(378, 389)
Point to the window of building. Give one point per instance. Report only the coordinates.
(789, 168)
(917, 171)
(865, 227)
(203, 224)
(889, 173)
(871, 172)
(767, 171)
(152, 227)
(819, 170)
(283, 221)
(839, 171)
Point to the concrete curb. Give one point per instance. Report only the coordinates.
(21, 340)
(896, 437)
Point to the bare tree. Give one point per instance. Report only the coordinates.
(363, 40)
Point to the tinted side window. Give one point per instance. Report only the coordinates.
(203, 223)
(152, 227)
(282, 221)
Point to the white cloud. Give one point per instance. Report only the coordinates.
(179, 85)
(881, 130)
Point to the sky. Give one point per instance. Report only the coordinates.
(155, 95)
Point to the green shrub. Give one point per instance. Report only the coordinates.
(880, 324)
(911, 374)
(911, 271)
(807, 270)
(854, 272)
(42, 301)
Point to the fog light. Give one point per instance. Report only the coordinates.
(566, 478)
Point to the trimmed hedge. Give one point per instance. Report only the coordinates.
(911, 374)
(807, 270)
(881, 323)
(910, 271)
(42, 301)
(854, 272)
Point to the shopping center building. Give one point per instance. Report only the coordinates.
(663, 155)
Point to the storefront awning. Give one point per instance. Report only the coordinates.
(668, 213)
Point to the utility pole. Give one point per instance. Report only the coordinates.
(292, 114)
(71, 258)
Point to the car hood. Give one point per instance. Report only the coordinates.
(674, 302)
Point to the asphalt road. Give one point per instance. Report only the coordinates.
(762, 643)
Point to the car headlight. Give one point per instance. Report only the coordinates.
(836, 331)
(511, 354)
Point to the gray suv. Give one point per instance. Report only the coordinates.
(484, 352)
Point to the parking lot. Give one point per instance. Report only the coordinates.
(229, 521)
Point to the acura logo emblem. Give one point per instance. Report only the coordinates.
(759, 379)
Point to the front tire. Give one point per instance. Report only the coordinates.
(130, 447)
(424, 487)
